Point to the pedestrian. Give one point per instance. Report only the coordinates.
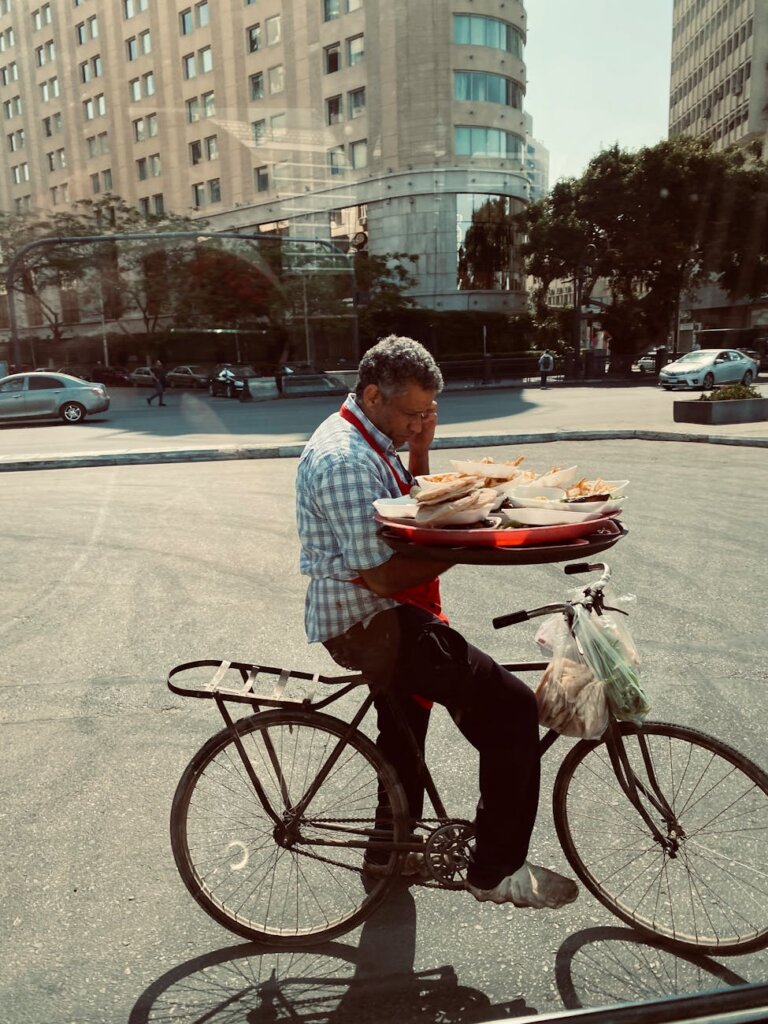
(696, 346)
(379, 613)
(546, 366)
(158, 382)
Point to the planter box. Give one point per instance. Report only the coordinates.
(740, 410)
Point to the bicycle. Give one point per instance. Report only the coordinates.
(272, 817)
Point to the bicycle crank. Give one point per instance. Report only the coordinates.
(447, 853)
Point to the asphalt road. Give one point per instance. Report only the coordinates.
(193, 420)
(113, 575)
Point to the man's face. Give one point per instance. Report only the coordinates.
(401, 417)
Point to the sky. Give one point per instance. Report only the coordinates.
(598, 74)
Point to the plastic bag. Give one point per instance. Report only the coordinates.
(571, 698)
(607, 646)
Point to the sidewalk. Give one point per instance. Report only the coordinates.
(195, 428)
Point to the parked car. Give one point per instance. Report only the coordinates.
(754, 356)
(141, 376)
(73, 370)
(647, 363)
(188, 376)
(113, 375)
(32, 396)
(707, 367)
(228, 379)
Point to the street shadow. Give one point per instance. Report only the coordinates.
(332, 983)
(600, 967)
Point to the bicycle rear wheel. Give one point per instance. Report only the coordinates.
(244, 870)
(712, 895)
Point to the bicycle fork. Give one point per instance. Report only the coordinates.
(634, 788)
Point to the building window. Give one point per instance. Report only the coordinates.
(158, 204)
(209, 104)
(353, 5)
(272, 28)
(132, 48)
(332, 58)
(333, 110)
(202, 15)
(212, 147)
(490, 142)
(478, 30)
(142, 171)
(198, 195)
(148, 83)
(355, 50)
(134, 89)
(484, 87)
(276, 78)
(145, 42)
(134, 7)
(336, 160)
(358, 154)
(106, 180)
(144, 127)
(253, 38)
(356, 103)
(331, 9)
(261, 178)
(214, 190)
(188, 66)
(278, 124)
(144, 206)
(259, 129)
(185, 22)
(257, 86)
(205, 57)
(195, 152)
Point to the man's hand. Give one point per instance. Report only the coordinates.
(418, 446)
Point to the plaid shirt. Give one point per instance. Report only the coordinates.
(339, 476)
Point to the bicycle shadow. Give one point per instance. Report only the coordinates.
(332, 983)
(603, 966)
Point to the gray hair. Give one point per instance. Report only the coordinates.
(393, 363)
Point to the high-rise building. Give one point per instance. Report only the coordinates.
(536, 162)
(719, 87)
(391, 124)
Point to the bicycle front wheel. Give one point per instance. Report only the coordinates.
(295, 886)
(709, 893)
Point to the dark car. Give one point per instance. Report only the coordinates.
(228, 379)
(755, 356)
(111, 375)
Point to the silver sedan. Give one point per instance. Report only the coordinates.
(32, 396)
(706, 367)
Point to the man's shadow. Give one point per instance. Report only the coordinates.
(336, 983)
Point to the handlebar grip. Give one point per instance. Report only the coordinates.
(581, 567)
(508, 620)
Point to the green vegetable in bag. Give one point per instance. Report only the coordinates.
(609, 649)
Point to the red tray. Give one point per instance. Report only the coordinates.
(522, 554)
(490, 537)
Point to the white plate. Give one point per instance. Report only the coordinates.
(463, 518)
(560, 477)
(535, 493)
(614, 487)
(396, 508)
(545, 516)
(487, 470)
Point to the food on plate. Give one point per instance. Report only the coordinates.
(446, 490)
(595, 489)
(468, 508)
(490, 470)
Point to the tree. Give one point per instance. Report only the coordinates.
(659, 223)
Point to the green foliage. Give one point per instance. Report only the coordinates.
(731, 393)
(656, 224)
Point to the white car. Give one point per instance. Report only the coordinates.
(707, 367)
(50, 395)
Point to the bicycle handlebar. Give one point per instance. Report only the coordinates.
(589, 594)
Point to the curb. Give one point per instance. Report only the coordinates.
(293, 451)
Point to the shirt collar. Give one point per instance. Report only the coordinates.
(382, 439)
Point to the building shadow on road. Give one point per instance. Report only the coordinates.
(338, 983)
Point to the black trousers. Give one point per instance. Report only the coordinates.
(406, 651)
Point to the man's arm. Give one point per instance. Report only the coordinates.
(401, 572)
(418, 448)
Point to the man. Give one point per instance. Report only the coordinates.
(378, 612)
(546, 365)
(158, 381)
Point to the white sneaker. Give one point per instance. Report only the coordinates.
(530, 886)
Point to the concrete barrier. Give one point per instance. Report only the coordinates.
(299, 385)
(262, 389)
